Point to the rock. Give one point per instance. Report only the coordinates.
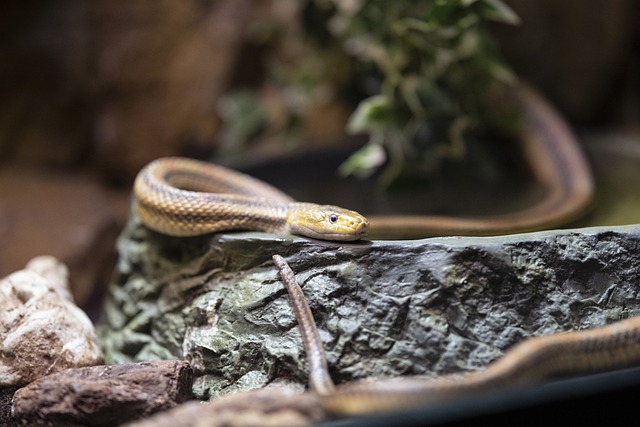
(41, 329)
(270, 407)
(54, 272)
(384, 308)
(103, 395)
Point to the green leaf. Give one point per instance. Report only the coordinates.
(498, 11)
(365, 161)
(374, 113)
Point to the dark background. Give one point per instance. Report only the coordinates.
(91, 91)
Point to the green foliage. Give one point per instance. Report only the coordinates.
(435, 68)
(420, 75)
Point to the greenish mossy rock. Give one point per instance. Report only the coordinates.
(384, 308)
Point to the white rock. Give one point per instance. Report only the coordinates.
(41, 329)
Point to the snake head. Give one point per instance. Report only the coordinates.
(327, 222)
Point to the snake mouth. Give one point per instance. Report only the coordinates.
(362, 230)
(357, 232)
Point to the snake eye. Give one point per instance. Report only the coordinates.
(333, 218)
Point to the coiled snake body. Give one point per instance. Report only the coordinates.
(183, 197)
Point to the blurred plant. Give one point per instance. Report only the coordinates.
(437, 69)
(424, 73)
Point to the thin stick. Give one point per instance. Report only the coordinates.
(319, 379)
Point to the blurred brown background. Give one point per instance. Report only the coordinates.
(91, 91)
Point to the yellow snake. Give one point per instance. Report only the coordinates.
(183, 197)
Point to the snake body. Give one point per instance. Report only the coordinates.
(556, 162)
(184, 197)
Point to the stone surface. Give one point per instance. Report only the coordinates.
(103, 395)
(42, 331)
(270, 407)
(384, 308)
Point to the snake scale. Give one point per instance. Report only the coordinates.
(182, 197)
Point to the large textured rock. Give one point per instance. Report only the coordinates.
(384, 308)
(41, 329)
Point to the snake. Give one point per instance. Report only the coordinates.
(185, 197)
(556, 163)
